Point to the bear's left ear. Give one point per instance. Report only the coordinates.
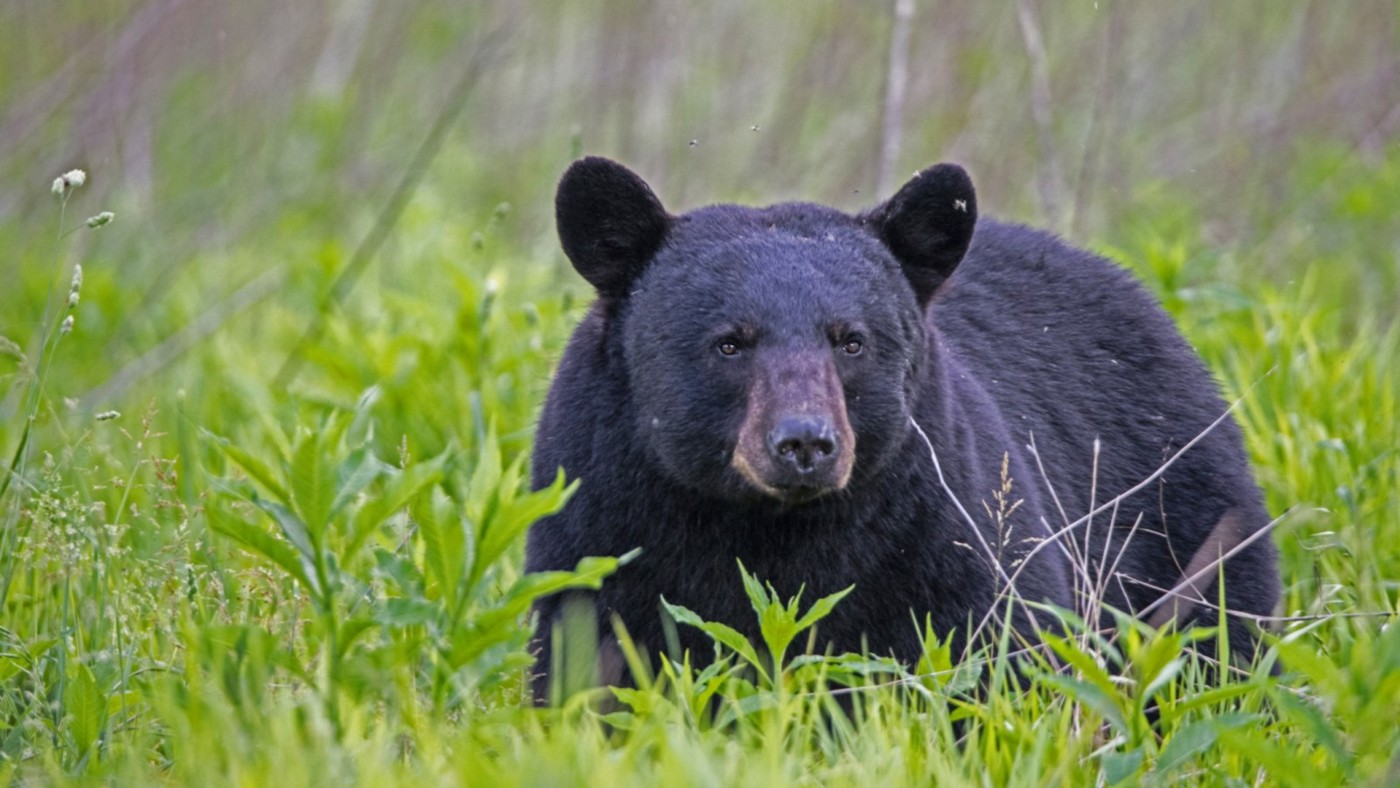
(610, 223)
(928, 225)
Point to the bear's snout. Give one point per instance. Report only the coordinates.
(796, 442)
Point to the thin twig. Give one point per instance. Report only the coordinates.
(897, 79)
(1098, 119)
(1200, 572)
(1264, 619)
(1055, 536)
(1050, 180)
(1008, 581)
(971, 523)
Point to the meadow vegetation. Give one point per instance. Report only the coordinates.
(261, 519)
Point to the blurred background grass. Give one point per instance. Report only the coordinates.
(223, 132)
(207, 123)
(1243, 158)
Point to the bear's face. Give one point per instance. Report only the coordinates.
(772, 353)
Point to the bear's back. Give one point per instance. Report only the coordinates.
(1074, 350)
(1071, 345)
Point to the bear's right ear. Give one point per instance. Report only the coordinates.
(610, 223)
(928, 226)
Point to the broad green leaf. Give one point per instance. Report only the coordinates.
(1305, 659)
(1191, 740)
(445, 538)
(720, 633)
(312, 480)
(356, 472)
(935, 665)
(1318, 727)
(778, 623)
(851, 670)
(778, 627)
(87, 709)
(1091, 695)
(511, 521)
(119, 703)
(1119, 766)
(758, 595)
(400, 491)
(1277, 759)
(822, 608)
(253, 466)
(1205, 699)
(1162, 679)
(32, 651)
(855, 664)
(406, 612)
(1186, 743)
(1083, 663)
(589, 574)
(292, 527)
(264, 544)
(468, 644)
(746, 706)
(1155, 662)
(640, 701)
(485, 479)
(402, 571)
(353, 630)
(621, 720)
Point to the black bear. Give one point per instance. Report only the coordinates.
(936, 410)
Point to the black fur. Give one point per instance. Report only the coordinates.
(1023, 337)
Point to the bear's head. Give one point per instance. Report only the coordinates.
(771, 352)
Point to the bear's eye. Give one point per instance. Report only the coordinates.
(728, 348)
(852, 346)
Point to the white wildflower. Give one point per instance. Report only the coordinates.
(108, 415)
(67, 325)
(68, 180)
(101, 219)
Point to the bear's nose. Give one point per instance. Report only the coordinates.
(803, 443)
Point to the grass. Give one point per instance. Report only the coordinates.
(235, 581)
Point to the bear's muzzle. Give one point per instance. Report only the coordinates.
(796, 443)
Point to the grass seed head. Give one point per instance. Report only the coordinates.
(8, 347)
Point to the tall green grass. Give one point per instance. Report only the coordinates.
(239, 583)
